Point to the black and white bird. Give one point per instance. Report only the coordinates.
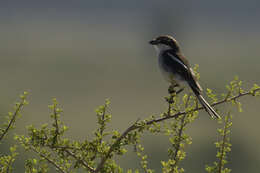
(176, 69)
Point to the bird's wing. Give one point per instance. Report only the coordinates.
(176, 62)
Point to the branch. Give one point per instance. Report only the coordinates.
(12, 120)
(104, 159)
(9, 165)
(199, 108)
(135, 126)
(56, 124)
(222, 150)
(67, 150)
(101, 129)
(49, 160)
(80, 160)
(180, 135)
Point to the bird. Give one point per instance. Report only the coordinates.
(177, 70)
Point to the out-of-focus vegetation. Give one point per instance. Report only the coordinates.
(100, 154)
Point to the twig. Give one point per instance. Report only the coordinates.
(66, 149)
(180, 135)
(12, 120)
(101, 130)
(49, 160)
(134, 126)
(102, 123)
(9, 165)
(80, 160)
(104, 159)
(223, 145)
(199, 108)
(56, 125)
(179, 142)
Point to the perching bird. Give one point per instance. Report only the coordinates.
(175, 67)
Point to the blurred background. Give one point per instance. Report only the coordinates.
(82, 52)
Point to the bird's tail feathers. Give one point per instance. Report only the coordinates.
(207, 107)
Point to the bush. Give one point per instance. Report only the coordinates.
(98, 153)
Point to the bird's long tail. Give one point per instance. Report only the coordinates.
(203, 102)
(207, 107)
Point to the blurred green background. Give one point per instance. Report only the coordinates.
(82, 52)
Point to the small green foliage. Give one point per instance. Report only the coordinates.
(100, 152)
(195, 70)
(234, 89)
(36, 166)
(103, 119)
(178, 141)
(11, 117)
(168, 167)
(223, 146)
(48, 144)
(143, 159)
(255, 90)
(6, 161)
(154, 127)
(177, 135)
(211, 95)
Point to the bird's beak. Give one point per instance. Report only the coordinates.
(153, 42)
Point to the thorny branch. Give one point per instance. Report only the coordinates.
(136, 126)
(48, 159)
(223, 145)
(180, 133)
(12, 120)
(101, 129)
(56, 124)
(80, 160)
(104, 159)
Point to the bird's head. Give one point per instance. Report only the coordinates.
(165, 42)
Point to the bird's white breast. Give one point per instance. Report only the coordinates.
(167, 74)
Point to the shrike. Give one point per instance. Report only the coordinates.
(176, 69)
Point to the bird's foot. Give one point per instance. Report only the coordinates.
(172, 89)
